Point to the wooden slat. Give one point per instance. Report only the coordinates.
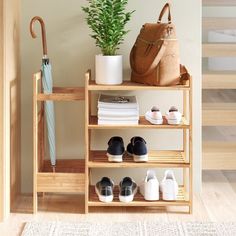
(60, 182)
(216, 23)
(72, 90)
(98, 159)
(128, 86)
(65, 166)
(219, 80)
(219, 156)
(219, 114)
(143, 124)
(219, 3)
(60, 97)
(219, 50)
(138, 200)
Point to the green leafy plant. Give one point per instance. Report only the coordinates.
(107, 20)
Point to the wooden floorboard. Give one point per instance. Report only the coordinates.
(218, 196)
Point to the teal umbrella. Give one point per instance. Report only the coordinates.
(47, 89)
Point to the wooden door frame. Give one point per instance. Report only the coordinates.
(3, 188)
(9, 102)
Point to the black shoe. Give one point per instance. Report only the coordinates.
(128, 188)
(104, 189)
(138, 149)
(115, 149)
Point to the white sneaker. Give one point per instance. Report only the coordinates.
(174, 117)
(149, 188)
(154, 116)
(169, 186)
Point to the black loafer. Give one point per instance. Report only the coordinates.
(115, 149)
(138, 149)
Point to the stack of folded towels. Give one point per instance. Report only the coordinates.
(118, 110)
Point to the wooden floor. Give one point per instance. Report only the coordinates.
(216, 203)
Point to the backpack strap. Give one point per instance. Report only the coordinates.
(154, 64)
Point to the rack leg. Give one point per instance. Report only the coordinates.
(191, 208)
(35, 202)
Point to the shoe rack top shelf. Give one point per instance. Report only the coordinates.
(129, 86)
(143, 124)
(174, 159)
(138, 200)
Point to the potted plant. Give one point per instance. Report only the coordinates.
(107, 20)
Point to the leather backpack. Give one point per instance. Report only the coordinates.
(154, 58)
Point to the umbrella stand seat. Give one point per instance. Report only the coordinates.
(69, 174)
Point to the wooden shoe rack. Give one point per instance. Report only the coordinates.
(181, 159)
(74, 176)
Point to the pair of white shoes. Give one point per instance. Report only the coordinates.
(150, 187)
(154, 116)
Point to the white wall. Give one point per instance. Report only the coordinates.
(72, 52)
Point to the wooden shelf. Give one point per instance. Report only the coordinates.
(143, 124)
(171, 159)
(219, 114)
(219, 3)
(219, 50)
(128, 86)
(216, 23)
(219, 155)
(63, 94)
(138, 200)
(65, 166)
(219, 80)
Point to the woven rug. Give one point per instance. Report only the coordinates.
(129, 229)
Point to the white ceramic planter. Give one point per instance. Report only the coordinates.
(109, 69)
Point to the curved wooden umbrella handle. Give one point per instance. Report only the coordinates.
(44, 41)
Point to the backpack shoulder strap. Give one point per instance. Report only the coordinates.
(154, 63)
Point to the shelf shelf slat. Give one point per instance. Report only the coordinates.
(129, 86)
(219, 155)
(219, 80)
(138, 200)
(218, 49)
(143, 124)
(219, 3)
(216, 23)
(98, 159)
(219, 114)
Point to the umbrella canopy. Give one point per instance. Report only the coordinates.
(47, 89)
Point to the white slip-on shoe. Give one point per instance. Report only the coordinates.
(169, 186)
(173, 116)
(149, 188)
(154, 116)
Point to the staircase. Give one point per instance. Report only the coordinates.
(219, 154)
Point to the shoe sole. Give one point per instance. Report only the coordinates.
(154, 122)
(142, 158)
(103, 198)
(115, 158)
(173, 122)
(129, 198)
(169, 196)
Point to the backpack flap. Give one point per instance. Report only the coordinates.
(148, 49)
